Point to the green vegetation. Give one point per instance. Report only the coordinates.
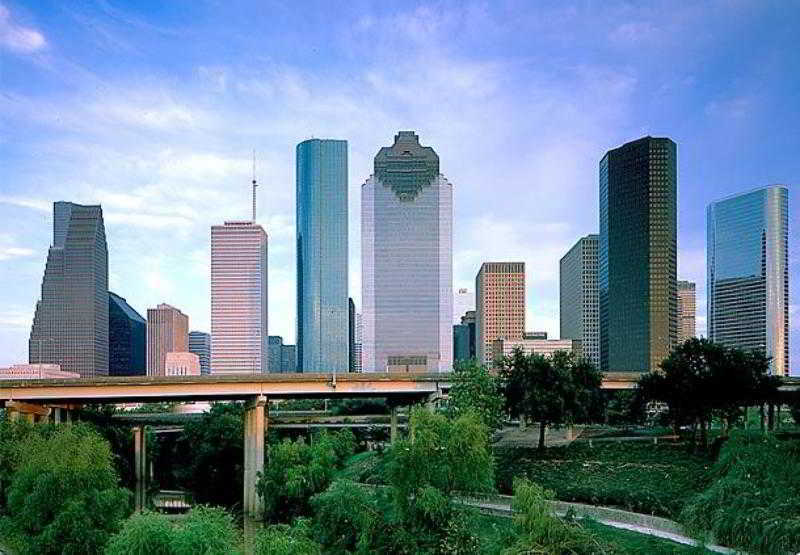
(551, 390)
(296, 470)
(753, 501)
(626, 541)
(281, 539)
(206, 530)
(476, 390)
(63, 495)
(645, 478)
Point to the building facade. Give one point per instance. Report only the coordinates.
(167, 332)
(499, 306)
(359, 336)
(274, 353)
(200, 344)
(289, 359)
(70, 324)
(238, 298)
(748, 273)
(637, 255)
(407, 261)
(127, 339)
(579, 306)
(43, 371)
(504, 347)
(351, 349)
(182, 364)
(322, 317)
(687, 303)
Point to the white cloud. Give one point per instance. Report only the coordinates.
(18, 38)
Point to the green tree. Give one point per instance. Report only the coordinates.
(64, 495)
(213, 451)
(145, 533)
(348, 518)
(297, 470)
(476, 389)
(551, 390)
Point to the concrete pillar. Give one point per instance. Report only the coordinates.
(13, 414)
(140, 466)
(254, 427)
(393, 425)
(56, 414)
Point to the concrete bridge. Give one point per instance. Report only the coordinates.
(54, 398)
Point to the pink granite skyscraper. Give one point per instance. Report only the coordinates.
(238, 298)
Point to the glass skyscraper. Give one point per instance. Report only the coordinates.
(407, 261)
(127, 339)
(322, 309)
(637, 255)
(579, 315)
(748, 273)
(70, 325)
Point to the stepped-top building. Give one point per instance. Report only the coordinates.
(407, 261)
(70, 325)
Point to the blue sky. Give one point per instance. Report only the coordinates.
(153, 108)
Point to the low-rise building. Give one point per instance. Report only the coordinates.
(44, 371)
(505, 347)
(182, 364)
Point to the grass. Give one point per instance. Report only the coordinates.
(645, 478)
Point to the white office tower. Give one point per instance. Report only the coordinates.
(238, 298)
(407, 261)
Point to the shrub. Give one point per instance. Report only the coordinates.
(207, 530)
(143, 534)
(281, 539)
(64, 496)
(753, 501)
(347, 518)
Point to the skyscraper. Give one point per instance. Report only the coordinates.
(499, 305)
(407, 260)
(322, 318)
(748, 273)
(637, 255)
(238, 298)
(274, 353)
(127, 339)
(70, 325)
(167, 332)
(579, 311)
(200, 344)
(359, 337)
(687, 303)
(351, 349)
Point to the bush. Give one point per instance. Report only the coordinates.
(297, 470)
(281, 539)
(64, 495)
(347, 518)
(143, 534)
(753, 501)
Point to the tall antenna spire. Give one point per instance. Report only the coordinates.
(254, 185)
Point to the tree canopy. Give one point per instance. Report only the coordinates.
(475, 389)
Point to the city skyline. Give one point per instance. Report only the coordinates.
(151, 157)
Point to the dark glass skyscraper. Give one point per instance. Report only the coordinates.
(200, 344)
(748, 273)
(70, 326)
(127, 339)
(322, 309)
(637, 255)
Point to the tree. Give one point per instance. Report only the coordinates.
(64, 495)
(552, 390)
(475, 389)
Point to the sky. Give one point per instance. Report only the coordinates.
(153, 109)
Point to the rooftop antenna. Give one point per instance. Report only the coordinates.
(254, 185)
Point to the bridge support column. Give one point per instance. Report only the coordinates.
(393, 425)
(254, 427)
(140, 466)
(29, 411)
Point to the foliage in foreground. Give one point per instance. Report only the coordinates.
(207, 530)
(537, 530)
(641, 477)
(753, 501)
(476, 390)
(281, 539)
(64, 495)
(297, 470)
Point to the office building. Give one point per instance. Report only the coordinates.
(687, 302)
(167, 332)
(200, 344)
(127, 339)
(579, 308)
(43, 371)
(748, 273)
(359, 335)
(499, 305)
(407, 261)
(637, 255)
(274, 353)
(505, 347)
(460, 343)
(351, 350)
(238, 298)
(322, 317)
(70, 325)
(289, 359)
(182, 364)
(534, 335)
